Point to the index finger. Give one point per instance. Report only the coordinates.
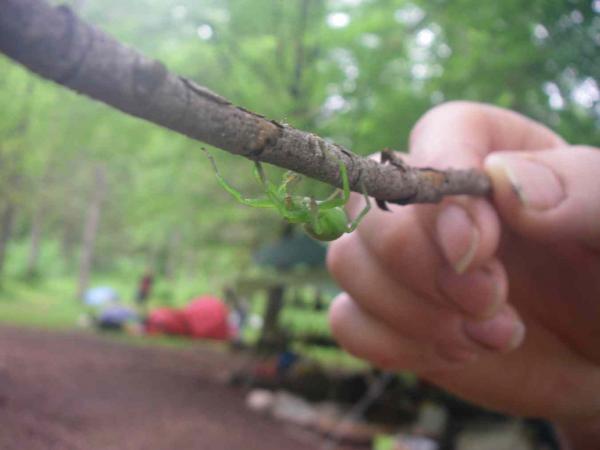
(415, 244)
(461, 134)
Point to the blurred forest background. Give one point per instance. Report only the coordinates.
(84, 188)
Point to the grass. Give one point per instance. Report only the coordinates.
(50, 304)
(47, 304)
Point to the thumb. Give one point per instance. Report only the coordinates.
(549, 194)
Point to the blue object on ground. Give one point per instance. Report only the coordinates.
(100, 296)
(285, 361)
(115, 316)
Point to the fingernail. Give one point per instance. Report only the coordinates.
(458, 237)
(534, 183)
(504, 332)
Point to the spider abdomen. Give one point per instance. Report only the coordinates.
(329, 224)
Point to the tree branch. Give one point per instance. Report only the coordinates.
(56, 44)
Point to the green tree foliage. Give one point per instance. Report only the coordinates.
(360, 72)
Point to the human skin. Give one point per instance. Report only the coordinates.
(495, 299)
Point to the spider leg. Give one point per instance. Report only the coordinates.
(333, 195)
(314, 216)
(255, 202)
(354, 224)
(259, 173)
(335, 199)
(290, 179)
(290, 210)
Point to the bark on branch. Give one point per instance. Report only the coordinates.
(56, 44)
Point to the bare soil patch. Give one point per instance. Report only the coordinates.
(78, 390)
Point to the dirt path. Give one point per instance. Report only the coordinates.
(80, 391)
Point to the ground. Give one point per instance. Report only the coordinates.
(78, 390)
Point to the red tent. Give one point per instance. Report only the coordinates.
(206, 318)
(166, 321)
(203, 318)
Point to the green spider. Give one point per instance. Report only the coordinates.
(324, 220)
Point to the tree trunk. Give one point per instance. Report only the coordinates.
(90, 230)
(68, 242)
(35, 241)
(6, 226)
(271, 339)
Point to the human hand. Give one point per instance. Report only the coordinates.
(496, 300)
